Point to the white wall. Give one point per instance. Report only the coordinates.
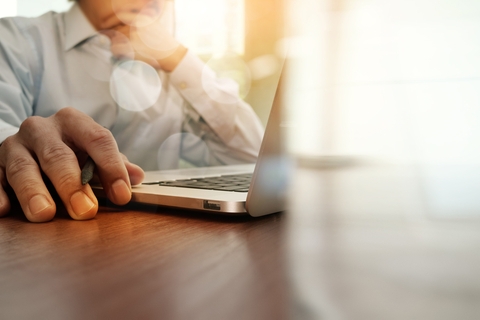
(393, 80)
(8, 8)
(32, 8)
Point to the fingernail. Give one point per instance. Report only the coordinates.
(81, 203)
(121, 192)
(38, 203)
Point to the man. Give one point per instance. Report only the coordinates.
(89, 58)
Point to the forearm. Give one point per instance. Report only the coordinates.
(243, 147)
(217, 101)
(169, 63)
(216, 107)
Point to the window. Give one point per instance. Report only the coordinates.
(211, 26)
(391, 80)
(8, 8)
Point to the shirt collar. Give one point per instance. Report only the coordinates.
(77, 27)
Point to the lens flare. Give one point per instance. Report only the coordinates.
(264, 66)
(227, 67)
(135, 85)
(120, 45)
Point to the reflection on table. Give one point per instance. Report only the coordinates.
(359, 241)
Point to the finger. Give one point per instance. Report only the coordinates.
(127, 12)
(111, 22)
(85, 134)
(60, 164)
(120, 33)
(154, 40)
(135, 172)
(120, 17)
(23, 175)
(4, 201)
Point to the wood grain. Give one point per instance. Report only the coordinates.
(362, 242)
(142, 263)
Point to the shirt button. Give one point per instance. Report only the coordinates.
(183, 85)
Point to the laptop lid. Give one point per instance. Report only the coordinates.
(267, 193)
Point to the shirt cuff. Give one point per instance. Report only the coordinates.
(187, 76)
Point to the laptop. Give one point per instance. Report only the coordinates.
(246, 189)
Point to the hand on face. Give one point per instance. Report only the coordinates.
(53, 146)
(144, 34)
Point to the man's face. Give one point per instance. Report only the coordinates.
(104, 14)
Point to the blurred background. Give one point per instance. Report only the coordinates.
(395, 81)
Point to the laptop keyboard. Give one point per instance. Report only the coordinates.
(234, 182)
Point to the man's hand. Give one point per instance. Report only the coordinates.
(144, 36)
(53, 146)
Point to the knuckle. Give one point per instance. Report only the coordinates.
(32, 130)
(110, 163)
(101, 137)
(64, 181)
(66, 112)
(54, 160)
(26, 188)
(18, 165)
(9, 143)
(32, 124)
(54, 154)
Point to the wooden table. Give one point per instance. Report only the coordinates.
(361, 242)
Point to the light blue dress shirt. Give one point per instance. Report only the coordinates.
(59, 60)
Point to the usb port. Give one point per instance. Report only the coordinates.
(211, 205)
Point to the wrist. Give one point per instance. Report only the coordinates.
(169, 63)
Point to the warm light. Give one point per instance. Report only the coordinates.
(211, 26)
(390, 80)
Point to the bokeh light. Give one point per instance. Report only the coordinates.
(135, 85)
(119, 43)
(264, 66)
(229, 66)
(101, 67)
(156, 33)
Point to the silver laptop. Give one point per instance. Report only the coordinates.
(247, 189)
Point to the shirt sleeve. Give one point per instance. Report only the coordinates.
(215, 112)
(17, 88)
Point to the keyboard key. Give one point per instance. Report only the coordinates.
(236, 183)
